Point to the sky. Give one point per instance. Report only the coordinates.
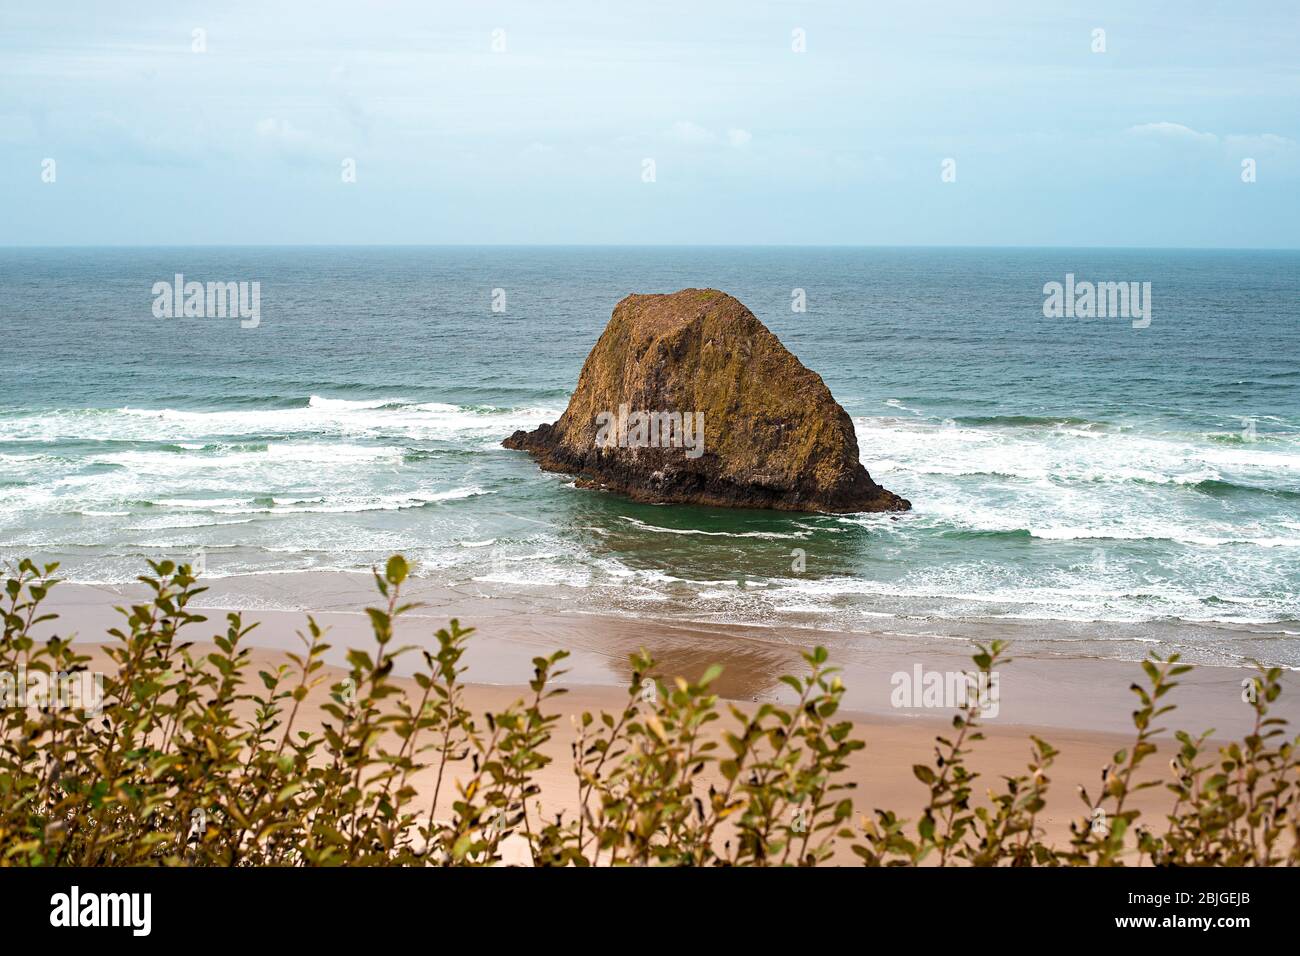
(822, 123)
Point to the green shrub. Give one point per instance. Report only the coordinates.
(173, 770)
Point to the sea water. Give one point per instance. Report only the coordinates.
(1092, 482)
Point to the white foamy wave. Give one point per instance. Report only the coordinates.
(355, 504)
(621, 572)
(205, 504)
(897, 445)
(348, 405)
(1113, 597)
(769, 535)
(538, 576)
(326, 417)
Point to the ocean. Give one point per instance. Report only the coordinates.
(1077, 483)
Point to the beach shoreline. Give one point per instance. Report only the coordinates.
(1037, 689)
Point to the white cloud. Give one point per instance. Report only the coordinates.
(739, 138)
(687, 132)
(1173, 130)
(1263, 142)
(1282, 152)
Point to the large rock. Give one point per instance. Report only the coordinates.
(773, 437)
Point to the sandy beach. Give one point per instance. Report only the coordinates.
(1080, 705)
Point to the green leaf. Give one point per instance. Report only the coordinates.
(397, 569)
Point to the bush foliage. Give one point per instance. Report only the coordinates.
(195, 761)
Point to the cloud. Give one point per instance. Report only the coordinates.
(687, 132)
(1173, 131)
(1282, 152)
(1232, 141)
(692, 134)
(1261, 142)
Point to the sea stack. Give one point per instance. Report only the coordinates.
(689, 398)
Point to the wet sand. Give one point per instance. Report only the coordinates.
(1037, 689)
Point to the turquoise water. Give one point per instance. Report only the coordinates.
(1073, 480)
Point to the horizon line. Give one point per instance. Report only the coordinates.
(633, 245)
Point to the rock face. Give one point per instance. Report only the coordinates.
(689, 398)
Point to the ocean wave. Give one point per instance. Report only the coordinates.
(956, 596)
(349, 404)
(769, 535)
(325, 505)
(1179, 535)
(1072, 454)
(1219, 488)
(548, 576)
(1028, 421)
(961, 520)
(1033, 494)
(315, 416)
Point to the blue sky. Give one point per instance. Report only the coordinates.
(544, 141)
